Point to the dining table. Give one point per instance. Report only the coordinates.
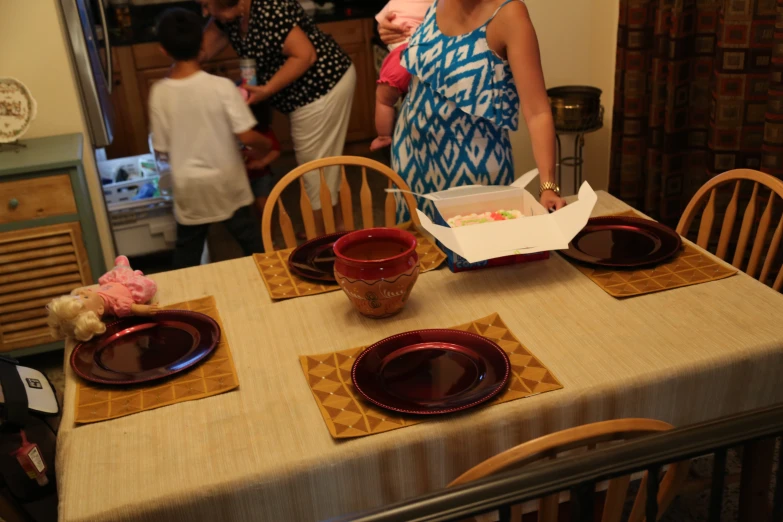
(263, 452)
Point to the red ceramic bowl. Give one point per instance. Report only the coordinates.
(377, 268)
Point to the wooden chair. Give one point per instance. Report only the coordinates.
(346, 204)
(586, 438)
(708, 193)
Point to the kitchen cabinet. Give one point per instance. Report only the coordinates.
(48, 237)
(361, 126)
(139, 66)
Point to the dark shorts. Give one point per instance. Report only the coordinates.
(262, 185)
(243, 225)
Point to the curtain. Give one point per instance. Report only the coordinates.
(698, 91)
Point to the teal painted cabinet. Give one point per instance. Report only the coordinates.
(49, 241)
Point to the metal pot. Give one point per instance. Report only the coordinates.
(576, 107)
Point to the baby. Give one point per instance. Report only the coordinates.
(394, 78)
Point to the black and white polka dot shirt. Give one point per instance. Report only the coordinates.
(270, 23)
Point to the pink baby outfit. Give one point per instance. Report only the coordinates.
(123, 287)
(410, 15)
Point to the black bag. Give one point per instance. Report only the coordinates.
(24, 405)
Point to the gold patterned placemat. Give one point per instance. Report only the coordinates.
(282, 284)
(214, 376)
(347, 415)
(690, 267)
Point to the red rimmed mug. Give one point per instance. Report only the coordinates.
(377, 268)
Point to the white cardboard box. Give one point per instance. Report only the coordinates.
(538, 231)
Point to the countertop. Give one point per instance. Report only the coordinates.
(144, 18)
(39, 154)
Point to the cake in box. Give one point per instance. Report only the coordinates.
(529, 235)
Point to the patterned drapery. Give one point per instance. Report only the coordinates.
(698, 91)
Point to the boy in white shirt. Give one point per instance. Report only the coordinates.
(196, 119)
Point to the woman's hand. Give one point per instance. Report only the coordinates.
(258, 93)
(255, 160)
(551, 201)
(390, 32)
(256, 164)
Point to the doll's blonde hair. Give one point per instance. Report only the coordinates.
(68, 318)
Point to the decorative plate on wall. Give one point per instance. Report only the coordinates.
(17, 109)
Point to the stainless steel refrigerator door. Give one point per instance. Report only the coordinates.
(94, 80)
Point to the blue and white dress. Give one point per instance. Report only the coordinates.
(453, 126)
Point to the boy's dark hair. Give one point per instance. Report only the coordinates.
(180, 32)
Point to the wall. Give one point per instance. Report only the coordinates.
(578, 40)
(34, 49)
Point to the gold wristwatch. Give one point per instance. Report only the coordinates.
(549, 185)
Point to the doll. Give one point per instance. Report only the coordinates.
(121, 292)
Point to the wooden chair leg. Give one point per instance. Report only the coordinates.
(754, 484)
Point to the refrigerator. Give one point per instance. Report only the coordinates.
(140, 209)
(93, 72)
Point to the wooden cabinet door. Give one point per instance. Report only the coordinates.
(361, 125)
(131, 129)
(147, 78)
(36, 265)
(226, 68)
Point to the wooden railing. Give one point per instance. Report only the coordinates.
(579, 474)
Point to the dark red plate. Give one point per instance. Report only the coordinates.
(142, 349)
(431, 372)
(623, 242)
(315, 259)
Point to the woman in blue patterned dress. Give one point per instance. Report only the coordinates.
(472, 63)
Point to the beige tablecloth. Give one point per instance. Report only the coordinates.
(683, 356)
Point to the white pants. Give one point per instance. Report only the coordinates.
(318, 131)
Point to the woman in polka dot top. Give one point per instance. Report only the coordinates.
(300, 70)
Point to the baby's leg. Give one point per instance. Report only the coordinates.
(386, 97)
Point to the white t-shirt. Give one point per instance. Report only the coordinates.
(194, 120)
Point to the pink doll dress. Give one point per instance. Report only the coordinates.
(123, 287)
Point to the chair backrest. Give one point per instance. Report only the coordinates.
(346, 201)
(704, 201)
(586, 437)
